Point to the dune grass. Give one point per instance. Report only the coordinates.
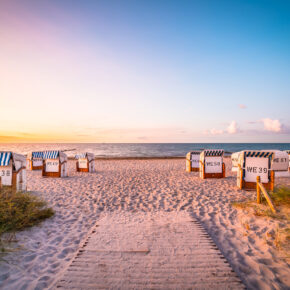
(281, 196)
(281, 199)
(21, 210)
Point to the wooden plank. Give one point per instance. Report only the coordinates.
(267, 197)
(167, 250)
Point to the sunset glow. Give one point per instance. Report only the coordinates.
(100, 71)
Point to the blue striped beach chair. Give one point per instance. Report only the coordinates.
(54, 164)
(35, 161)
(13, 171)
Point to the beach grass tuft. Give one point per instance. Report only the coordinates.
(21, 210)
(281, 195)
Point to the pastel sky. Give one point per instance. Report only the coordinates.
(145, 71)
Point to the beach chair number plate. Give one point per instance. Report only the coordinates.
(213, 164)
(256, 167)
(195, 161)
(52, 165)
(6, 175)
(82, 163)
(37, 162)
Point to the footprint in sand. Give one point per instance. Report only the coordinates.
(29, 258)
(65, 252)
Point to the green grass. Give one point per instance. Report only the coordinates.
(21, 210)
(281, 196)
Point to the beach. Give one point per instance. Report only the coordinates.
(142, 186)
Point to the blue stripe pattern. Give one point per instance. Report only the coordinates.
(5, 158)
(195, 152)
(258, 154)
(82, 155)
(37, 154)
(50, 154)
(217, 152)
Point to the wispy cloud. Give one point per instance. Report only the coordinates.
(213, 131)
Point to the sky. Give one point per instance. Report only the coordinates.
(145, 71)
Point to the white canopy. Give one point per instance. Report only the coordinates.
(62, 157)
(19, 161)
(89, 156)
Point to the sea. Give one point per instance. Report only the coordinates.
(131, 150)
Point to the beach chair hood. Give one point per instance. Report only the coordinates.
(89, 156)
(62, 157)
(19, 161)
(55, 155)
(5, 158)
(279, 160)
(211, 153)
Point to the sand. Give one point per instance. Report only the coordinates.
(149, 186)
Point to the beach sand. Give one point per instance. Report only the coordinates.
(122, 186)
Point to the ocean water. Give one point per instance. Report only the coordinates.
(138, 149)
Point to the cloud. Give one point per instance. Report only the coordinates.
(242, 106)
(233, 128)
(272, 125)
(9, 138)
(266, 126)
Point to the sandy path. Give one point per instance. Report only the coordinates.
(168, 250)
(141, 186)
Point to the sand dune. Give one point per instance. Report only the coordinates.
(140, 186)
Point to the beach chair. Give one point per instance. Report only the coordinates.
(211, 164)
(54, 164)
(34, 161)
(13, 170)
(256, 163)
(85, 162)
(192, 161)
(279, 162)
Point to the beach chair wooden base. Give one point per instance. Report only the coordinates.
(213, 175)
(50, 174)
(253, 185)
(82, 169)
(36, 167)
